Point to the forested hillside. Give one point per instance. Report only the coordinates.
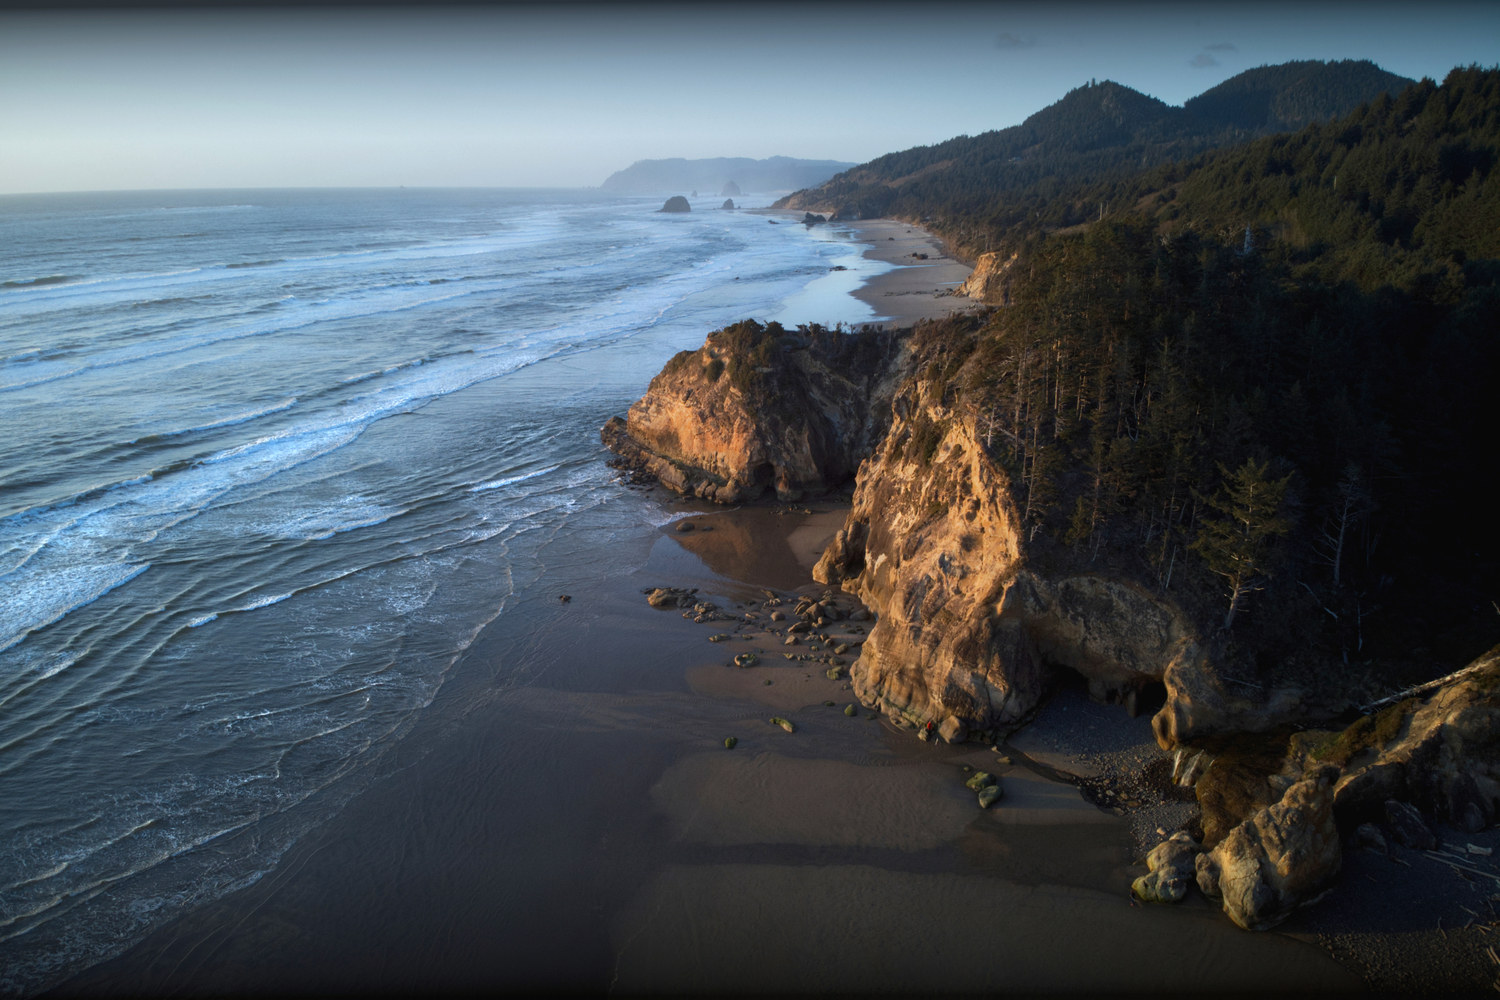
(976, 189)
(1262, 382)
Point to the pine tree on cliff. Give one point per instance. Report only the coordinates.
(1234, 546)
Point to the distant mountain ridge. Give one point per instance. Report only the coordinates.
(776, 173)
(1096, 131)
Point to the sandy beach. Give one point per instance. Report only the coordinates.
(916, 287)
(567, 818)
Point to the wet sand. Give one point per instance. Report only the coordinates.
(566, 818)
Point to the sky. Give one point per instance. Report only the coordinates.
(562, 95)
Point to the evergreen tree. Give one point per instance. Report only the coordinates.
(1234, 546)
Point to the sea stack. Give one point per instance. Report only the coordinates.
(731, 189)
(728, 203)
(677, 203)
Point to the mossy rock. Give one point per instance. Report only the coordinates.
(850, 711)
(729, 742)
(989, 795)
(786, 724)
(980, 779)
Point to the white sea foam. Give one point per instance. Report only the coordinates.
(512, 480)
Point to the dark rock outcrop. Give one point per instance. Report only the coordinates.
(731, 189)
(759, 407)
(728, 203)
(677, 203)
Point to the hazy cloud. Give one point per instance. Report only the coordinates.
(1203, 59)
(1221, 47)
(1010, 40)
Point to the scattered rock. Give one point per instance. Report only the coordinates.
(746, 660)
(669, 597)
(729, 742)
(834, 673)
(980, 779)
(792, 640)
(721, 637)
(850, 711)
(777, 720)
(677, 203)
(954, 729)
(989, 795)
(684, 526)
(1408, 827)
(778, 616)
(827, 704)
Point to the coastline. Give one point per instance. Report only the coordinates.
(567, 817)
(913, 289)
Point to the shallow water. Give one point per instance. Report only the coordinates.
(273, 460)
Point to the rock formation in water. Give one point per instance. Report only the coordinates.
(728, 203)
(760, 407)
(677, 203)
(731, 189)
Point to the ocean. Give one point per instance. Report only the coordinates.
(272, 462)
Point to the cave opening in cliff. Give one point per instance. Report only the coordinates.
(1138, 698)
(762, 480)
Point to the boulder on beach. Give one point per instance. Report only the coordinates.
(1172, 866)
(731, 188)
(677, 203)
(808, 219)
(1280, 858)
(728, 203)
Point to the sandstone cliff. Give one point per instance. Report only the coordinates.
(969, 622)
(988, 281)
(759, 407)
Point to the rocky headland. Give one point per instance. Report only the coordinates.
(976, 612)
(760, 408)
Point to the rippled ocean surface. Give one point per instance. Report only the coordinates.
(262, 482)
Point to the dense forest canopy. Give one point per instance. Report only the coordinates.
(1261, 381)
